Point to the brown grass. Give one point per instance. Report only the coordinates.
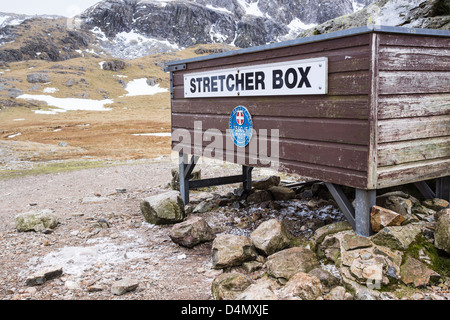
(110, 133)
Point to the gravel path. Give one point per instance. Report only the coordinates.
(102, 238)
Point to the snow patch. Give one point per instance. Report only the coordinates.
(15, 135)
(50, 90)
(68, 104)
(101, 256)
(218, 9)
(295, 27)
(160, 134)
(140, 87)
(251, 9)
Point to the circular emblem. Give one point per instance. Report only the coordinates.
(241, 126)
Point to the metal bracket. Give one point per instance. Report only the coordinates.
(187, 184)
(442, 189)
(177, 67)
(425, 190)
(359, 216)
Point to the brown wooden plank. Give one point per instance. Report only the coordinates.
(309, 48)
(413, 128)
(410, 82)
(415, 59)
(349, 178)
(346, 83)
(412, 151)
(340, 176)
(350, 107)
(409, 173)
(413, 40)
(351, 59)
(328, 154)
(327, 130)
(419, 105)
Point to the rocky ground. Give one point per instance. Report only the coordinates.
(102, 241)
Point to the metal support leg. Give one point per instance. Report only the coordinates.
(443, 188)
(343, 203)
(359, 216)
(425, 190)
(364, 202)
(184, 182)
(247, 176)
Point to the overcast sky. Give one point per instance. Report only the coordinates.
(67, 8)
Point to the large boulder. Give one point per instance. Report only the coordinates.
(417, 273)
(266, 183)
(36, 221)
(228, 286)
(259, 196)
(381, 217)
(38, 78)
(191, 232)
(165, 208)
(436, 204)
(263, 289)
(232, 250)
(284, 264)
(397, 237)
(303, 286)
(442, 232)
(271, 236)
(282, 193)
(322, 232)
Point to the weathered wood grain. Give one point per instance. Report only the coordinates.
(326, 130)
(414, 82)
(413, 128)
(417, 105)
(414, 59)
(395, 153)
(413, 172)
(348, 107)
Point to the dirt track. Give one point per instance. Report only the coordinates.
(102, 237)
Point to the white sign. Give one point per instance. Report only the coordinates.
(299, 77)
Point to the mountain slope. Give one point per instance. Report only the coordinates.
(178, 24)
(431, 14)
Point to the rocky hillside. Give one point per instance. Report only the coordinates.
(242, 23)
(130, 29)
(430, 14)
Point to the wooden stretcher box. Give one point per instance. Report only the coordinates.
(367, 108)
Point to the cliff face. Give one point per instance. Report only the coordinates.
(242, 23)
(130, 29)
(428, 14)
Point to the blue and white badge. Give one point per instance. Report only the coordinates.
(241, 126)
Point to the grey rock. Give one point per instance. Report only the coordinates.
(259, 196)
(282, 193)
(231, 250)
(114, 65)
(228, 286)
(44, 275)
(442, 232)
(36, 221)
(271, 236)
(191, 232)
(266, 183)
(38, 78)
(303, 286)
(326, 278)
(165, 208)
(284, 264)
(123, 286)
(397, 237)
